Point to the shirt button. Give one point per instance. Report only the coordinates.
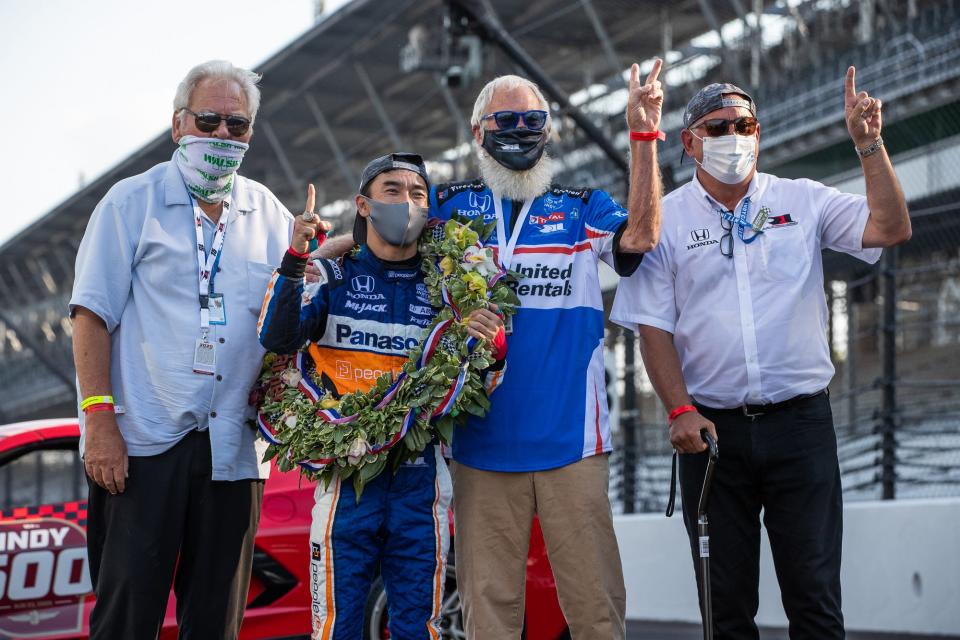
(219, 377)
(222, 340)
(213, 414)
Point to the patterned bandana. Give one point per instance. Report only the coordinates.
(208, 165)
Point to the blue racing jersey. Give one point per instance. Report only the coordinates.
(552, 408)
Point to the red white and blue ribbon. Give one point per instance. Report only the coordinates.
(266, 430)
(391, 392)
(333, 416)
(432, 341)
(408, 421)
(306, 384)
(316, 465)
(446, 405)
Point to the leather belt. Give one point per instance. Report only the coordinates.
(753, 411)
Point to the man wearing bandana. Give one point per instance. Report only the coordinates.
(732, 318)
(369, 309)
(169, 281)
(545, 444)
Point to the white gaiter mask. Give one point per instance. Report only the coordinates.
(730, 158)
(208, 165)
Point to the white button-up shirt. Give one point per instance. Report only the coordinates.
(751, 328)
(137, 270)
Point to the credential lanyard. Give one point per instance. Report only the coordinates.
(743, 222)
(207, 263)
(505, 251)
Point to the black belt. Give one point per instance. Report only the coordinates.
(753, 411)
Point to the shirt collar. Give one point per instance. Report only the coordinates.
(175, 190)
(756, 183)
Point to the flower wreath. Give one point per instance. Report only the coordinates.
(440, 383)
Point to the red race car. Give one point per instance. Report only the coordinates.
(45, 582)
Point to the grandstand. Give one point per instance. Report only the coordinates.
(376, 76)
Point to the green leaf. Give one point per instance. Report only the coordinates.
(444, 429)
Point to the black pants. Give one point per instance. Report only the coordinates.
(785, 463)
(172, 516)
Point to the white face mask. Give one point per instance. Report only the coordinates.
(208, 165)
(730, 158)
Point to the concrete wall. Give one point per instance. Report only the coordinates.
(900, 574)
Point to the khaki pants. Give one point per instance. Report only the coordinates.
(493, 512)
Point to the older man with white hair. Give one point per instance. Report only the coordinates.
(169, 280)
(543, 446)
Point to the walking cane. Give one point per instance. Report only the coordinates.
(703, 531)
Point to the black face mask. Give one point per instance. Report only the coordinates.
(516, 149)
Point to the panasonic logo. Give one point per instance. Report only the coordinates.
(374, 340)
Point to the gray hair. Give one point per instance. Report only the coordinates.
(504, 82)
(219, 69)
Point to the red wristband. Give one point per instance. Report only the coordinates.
(648, 135)
(679, 411)
(104, 406)
(297, 254)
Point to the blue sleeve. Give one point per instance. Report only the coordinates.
(606, 221)
(105, 261)
(285, 322)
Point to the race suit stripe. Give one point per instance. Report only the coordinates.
(266, 302)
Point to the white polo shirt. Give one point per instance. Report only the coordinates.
(751, 328)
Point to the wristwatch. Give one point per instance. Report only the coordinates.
(870, 149)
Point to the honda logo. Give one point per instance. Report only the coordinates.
(699, 235)
(480, 202)
(362, 284)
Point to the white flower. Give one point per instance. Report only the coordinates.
(480, 260)
(291, 377)
(290, 420)
(357, 450)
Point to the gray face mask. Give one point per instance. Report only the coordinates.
(398, 224)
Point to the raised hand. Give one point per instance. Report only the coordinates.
(307, 225)
(646, 100)
(862, 113)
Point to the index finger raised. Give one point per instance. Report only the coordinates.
(311, 198)
(657, 65)
(850, 91)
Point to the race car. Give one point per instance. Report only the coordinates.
(45, 589)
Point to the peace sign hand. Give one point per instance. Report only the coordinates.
(862, 113)
(646, 100)
(308, 225)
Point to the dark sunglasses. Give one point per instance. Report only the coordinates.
(745, 126)
(207, 122)
(534, 120)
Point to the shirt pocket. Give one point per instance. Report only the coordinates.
(258, 278)
(785, 254)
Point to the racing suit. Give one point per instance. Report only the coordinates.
(363, 319)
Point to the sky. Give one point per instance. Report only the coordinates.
(87, 83)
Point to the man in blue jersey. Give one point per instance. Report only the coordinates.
(542, 448)
(401, 522)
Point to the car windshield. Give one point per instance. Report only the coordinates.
(42, 476)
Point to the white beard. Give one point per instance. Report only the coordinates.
(515, 185)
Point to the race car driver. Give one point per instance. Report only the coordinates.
(401, 521)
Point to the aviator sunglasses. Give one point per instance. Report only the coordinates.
(207, 122)
(715, 127)
(534, 120)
